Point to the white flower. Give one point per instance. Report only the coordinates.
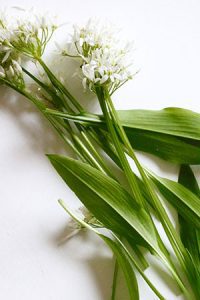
(2, 72)
(10, 72)
(17, 67)
(106, 66)
(86, 38)
(28, 33)
(103, 60)
(10, 68)
(90, 35)
(88, 71)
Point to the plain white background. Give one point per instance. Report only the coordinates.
(36, 263)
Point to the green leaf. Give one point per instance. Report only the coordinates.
(125, 265)
(177, 122)
(186, 202)
(107, 200)
(125, 259)
(173, 121)
(172, 134)
(189, 234)
(167, 147)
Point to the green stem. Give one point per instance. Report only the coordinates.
(58, 100)
(125, 164)
(96, 155)
(114, 127)
(60, 86)
(114, 285)
(97, 160)
(85, 118)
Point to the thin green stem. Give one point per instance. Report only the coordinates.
(96, 155)
(114, 284)
(60, 86)
(57, 98)
(125, 164)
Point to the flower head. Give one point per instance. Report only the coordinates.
(31, 36)
(25, 35)
(91, 36)
(28, 33)
(10, 64)
(103, 60)
(106, 66)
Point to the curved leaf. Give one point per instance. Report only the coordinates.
(189, 234)
(165, 146)
(172, 134)
(107, 200)
(186, 202)
(173, 121)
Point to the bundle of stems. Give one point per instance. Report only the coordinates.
(126, 212)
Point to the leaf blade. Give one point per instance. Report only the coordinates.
(186, 202)
(189, 234)
(109, 192)
(173, 121)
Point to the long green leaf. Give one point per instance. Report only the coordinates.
(106, 199)
(185, 201)
(189, 234)
(171, 134)
(173, 121)
(167, 147)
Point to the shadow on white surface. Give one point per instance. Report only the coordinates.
(91, 252)
(39, 133)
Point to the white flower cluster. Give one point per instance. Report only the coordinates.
(10, 62)
(91, 36)
(25, 35)
(31, 34)
(11, 69)
(103, 62)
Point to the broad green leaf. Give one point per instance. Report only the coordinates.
(173, 121)
(101, 210)
(107, 200)
(189, 234)
(165, 146)
(186, 202)
(171, 134)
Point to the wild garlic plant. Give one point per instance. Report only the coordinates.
(105, 66)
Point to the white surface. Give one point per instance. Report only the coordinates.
(34, 262)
